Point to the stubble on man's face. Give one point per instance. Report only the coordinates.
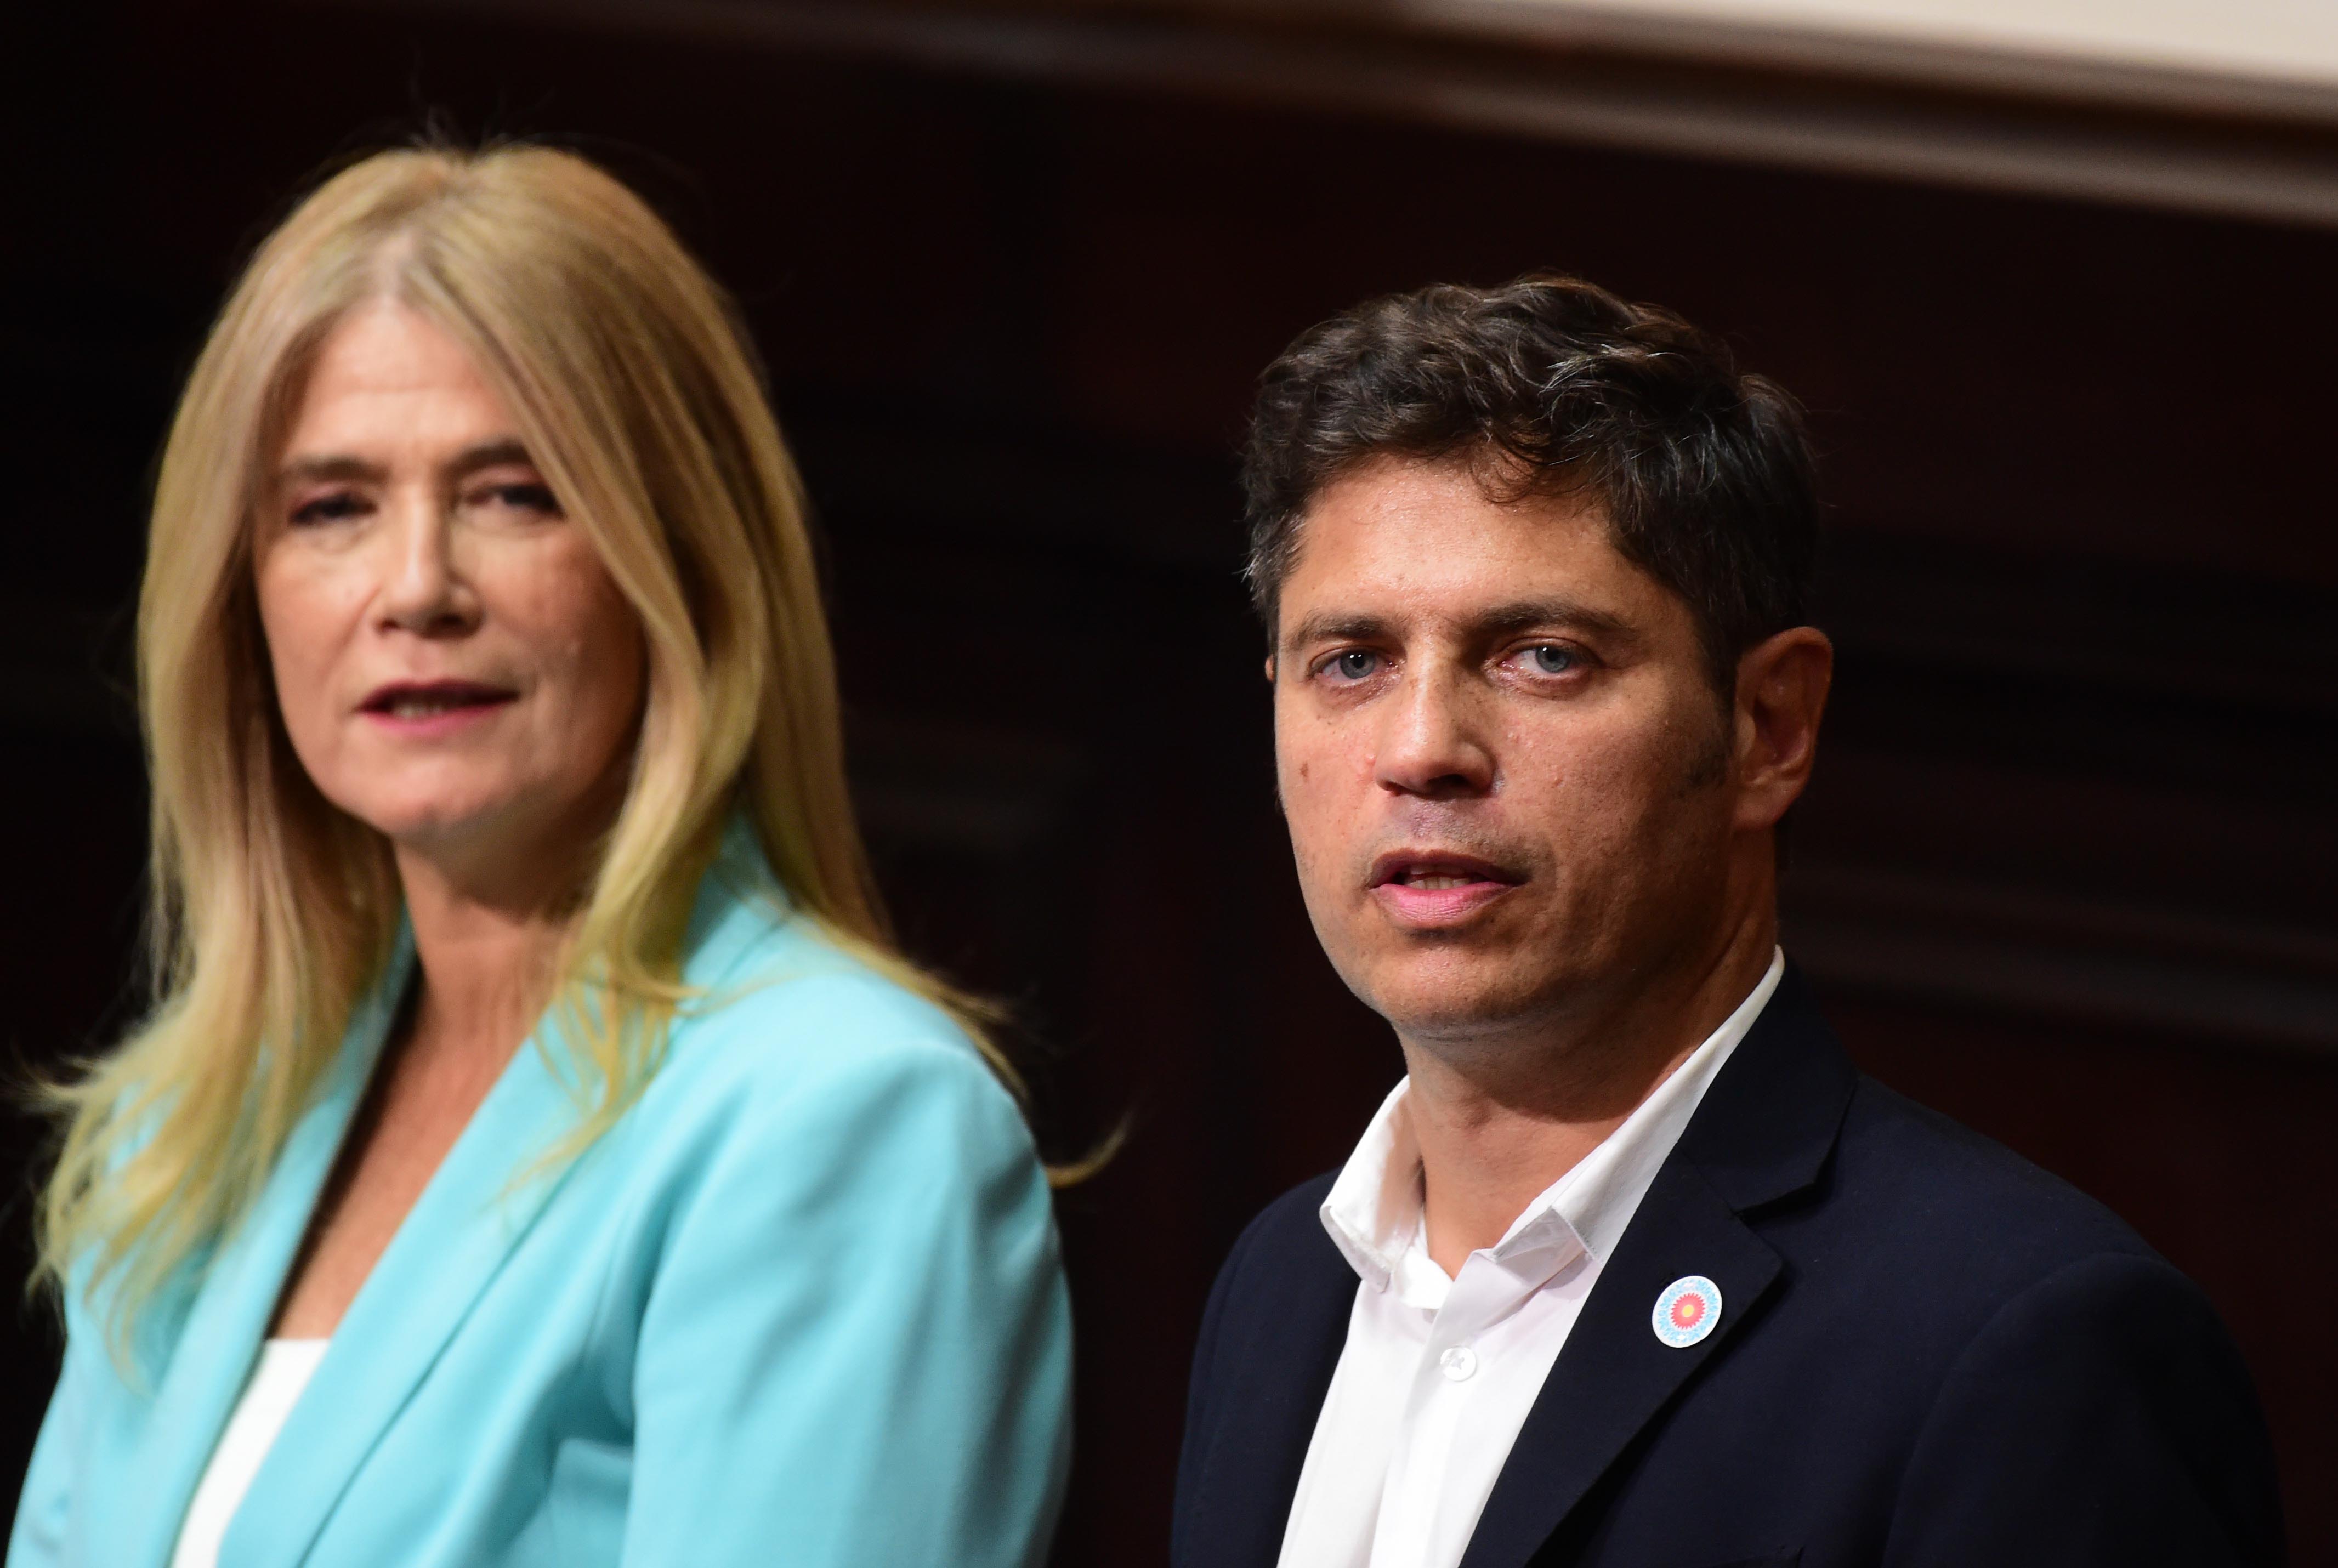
(1505, 771)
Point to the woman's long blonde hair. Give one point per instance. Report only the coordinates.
(273, 912)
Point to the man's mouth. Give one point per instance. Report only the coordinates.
(1431, 870)
(1429, 888)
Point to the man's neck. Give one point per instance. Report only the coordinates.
(1499, 1122)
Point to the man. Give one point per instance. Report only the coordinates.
(1634, 1268)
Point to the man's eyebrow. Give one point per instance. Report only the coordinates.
(1502, 620)
(1329, 626)
(1525, 614)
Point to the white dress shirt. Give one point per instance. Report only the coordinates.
(1438, 1373)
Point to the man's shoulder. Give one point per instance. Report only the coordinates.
(1931, 1198)
(1855, 1183)
(1920, 1181)
(2005, 1351)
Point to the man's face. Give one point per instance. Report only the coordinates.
(1508, 781)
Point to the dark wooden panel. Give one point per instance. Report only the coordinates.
(2065, 869)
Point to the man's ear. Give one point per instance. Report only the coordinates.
(1781, 693)
(1270, 668)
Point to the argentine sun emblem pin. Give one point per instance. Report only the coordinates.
(1687, 1311)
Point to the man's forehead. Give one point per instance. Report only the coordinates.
(1417, 526)
(1418, 547)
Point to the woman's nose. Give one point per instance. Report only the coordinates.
(424, 590)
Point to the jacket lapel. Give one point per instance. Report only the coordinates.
(470, 1218)
(227, 1311)
(1615, 1373)
(449, 1246)
(1763, 1134)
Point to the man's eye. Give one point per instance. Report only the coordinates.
(1553, 661)
(1355, 664)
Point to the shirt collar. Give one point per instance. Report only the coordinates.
(1374, 1211)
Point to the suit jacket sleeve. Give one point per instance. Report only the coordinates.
(1199, 1392)
(856, 1349)
(2103, 1417)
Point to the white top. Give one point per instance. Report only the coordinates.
(1438, 1374)
(284, 1370)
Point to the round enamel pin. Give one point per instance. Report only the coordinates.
(1687, 1311)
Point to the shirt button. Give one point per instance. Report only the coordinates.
(1458, 1363)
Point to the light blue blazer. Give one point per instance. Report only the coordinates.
(802, 1306)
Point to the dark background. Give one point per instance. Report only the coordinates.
(2065, 873)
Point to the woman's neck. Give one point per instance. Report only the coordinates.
(488, 955)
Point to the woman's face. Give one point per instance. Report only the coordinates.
(454, 666)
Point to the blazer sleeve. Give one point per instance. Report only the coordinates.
(857, 1345)
(42, 1536)
(2103, 1417)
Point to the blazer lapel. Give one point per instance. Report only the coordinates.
(1615, 1373)
(1763, 1134)
(450, 1245)
(227, 1308)
(455, 1240)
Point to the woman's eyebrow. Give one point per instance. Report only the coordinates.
(498, 453)
(330, 466)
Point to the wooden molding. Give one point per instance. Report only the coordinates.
(2079, 128)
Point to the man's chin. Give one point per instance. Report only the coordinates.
(1457, 1002)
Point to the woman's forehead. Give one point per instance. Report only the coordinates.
(389, 377)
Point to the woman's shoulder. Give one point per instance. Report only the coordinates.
(788, 1020)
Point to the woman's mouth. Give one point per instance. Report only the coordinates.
(434, 707)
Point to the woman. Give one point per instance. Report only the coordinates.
(537, 1156)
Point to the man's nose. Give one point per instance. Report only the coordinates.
(424, 590)
(1434, 745)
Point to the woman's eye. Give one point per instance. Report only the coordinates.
(1355, 664)
(522, 498)
(333, 508)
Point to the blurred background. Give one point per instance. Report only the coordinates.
(2058, 280)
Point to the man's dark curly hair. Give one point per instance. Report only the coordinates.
(1551, 385)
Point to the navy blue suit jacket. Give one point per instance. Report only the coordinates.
(1930, 1352)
